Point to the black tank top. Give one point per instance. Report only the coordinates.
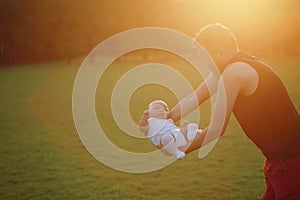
(268, 117)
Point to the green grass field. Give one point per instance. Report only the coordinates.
(42, 157)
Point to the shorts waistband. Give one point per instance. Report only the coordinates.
(283, 160)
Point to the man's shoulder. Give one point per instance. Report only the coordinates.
(242, 76)
(238, 66)
(240, 71)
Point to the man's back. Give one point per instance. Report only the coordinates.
(268, 116)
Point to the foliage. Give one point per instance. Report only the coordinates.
(35, 30)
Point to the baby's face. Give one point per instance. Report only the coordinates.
(158, 111)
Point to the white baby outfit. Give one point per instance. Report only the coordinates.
(159, 127)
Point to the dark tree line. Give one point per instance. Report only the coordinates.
(46, 30)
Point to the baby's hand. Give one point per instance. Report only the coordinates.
(146, 113)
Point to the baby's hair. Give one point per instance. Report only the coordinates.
(164, 104)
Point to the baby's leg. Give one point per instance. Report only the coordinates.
(184, 128)
(190, 131)
(169, 144)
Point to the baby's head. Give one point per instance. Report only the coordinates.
(158, 109)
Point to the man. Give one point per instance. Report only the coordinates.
(253, 92)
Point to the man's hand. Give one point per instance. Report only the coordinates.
(183, 127)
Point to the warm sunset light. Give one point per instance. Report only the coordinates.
(264, 23)
(128, 99)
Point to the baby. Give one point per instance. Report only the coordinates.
(163, 132)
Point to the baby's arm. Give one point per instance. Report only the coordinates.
(143, 124)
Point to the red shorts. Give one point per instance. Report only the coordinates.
(282, 179)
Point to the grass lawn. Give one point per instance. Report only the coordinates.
(42, 157)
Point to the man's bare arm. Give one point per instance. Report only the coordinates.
(191, 102)
(229, 87)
